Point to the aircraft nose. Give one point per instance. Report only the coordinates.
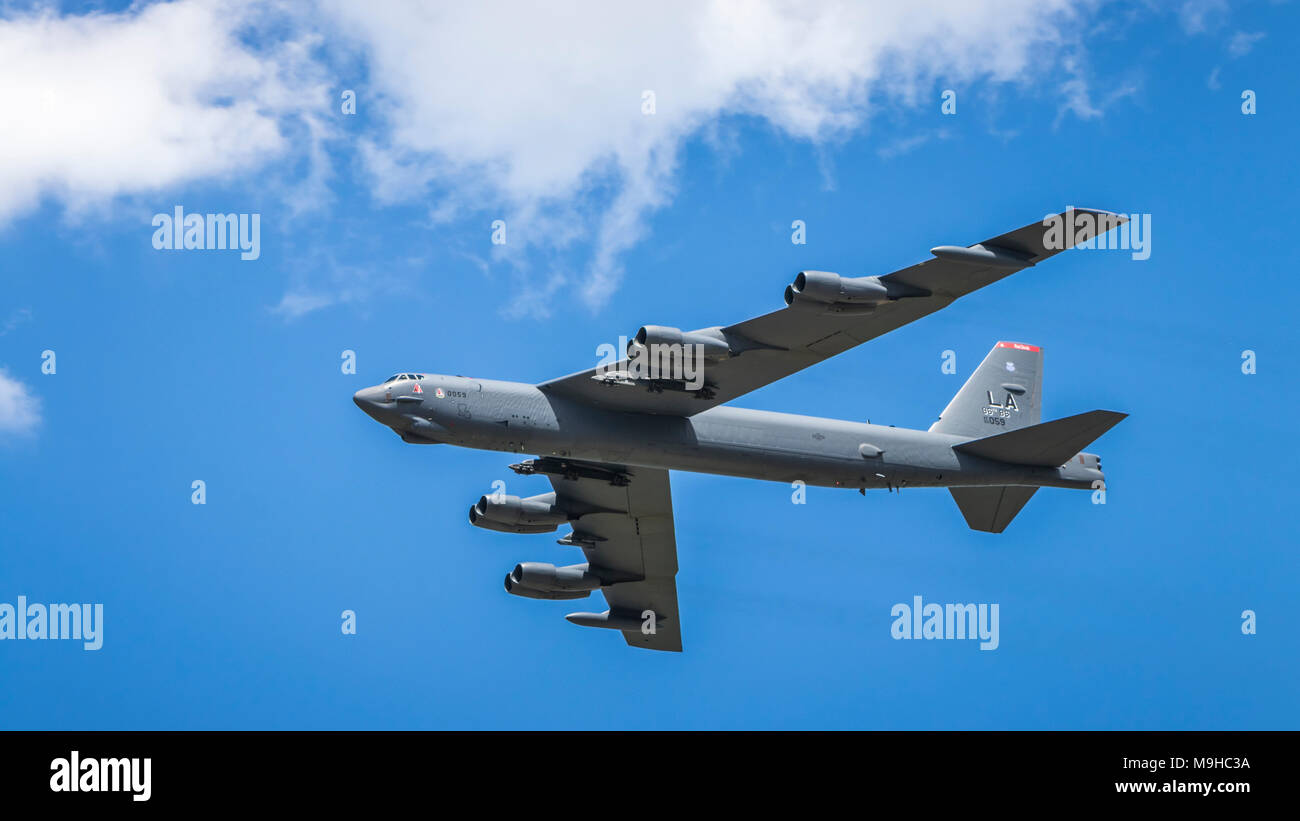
(368, 400)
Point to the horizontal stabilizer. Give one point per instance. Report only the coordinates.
(991, 509)
(1050, 444)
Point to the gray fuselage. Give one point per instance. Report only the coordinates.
(520, 418)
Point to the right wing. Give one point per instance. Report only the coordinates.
(775, 345)
(622, 518)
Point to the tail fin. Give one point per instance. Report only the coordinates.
(992, 508)
(1004, 393)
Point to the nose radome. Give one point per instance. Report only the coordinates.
(368, 399)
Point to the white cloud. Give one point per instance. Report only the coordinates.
(17, 318)
(907, 145)
(1199, 16)
(20, 411)
(1242, 42)
(110, 104)
(527, 111)
(533, 107)
(298, 303)
(1077, 98)
(1239, 45)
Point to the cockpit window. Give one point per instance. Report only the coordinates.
(399, 376)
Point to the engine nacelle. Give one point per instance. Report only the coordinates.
(548, 577)
(825, 288)
(479, 520)
(711, 342)
(511, 510)
(510, 514)
(514, 588)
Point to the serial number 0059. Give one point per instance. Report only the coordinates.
(996, 416)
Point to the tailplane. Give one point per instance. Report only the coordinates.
(1049, 445)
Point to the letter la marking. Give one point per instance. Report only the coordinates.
(1010, 403)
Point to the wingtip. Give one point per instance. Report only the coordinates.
(1120, 218)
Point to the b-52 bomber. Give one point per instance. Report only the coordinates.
(606, 437)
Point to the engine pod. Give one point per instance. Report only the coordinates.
(711, 343)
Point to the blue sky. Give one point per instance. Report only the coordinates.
(177, 366)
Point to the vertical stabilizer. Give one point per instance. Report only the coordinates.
(1004, 393)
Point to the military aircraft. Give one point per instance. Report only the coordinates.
(606, 437)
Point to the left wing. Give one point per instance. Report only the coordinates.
(622, 518)
(826, 315)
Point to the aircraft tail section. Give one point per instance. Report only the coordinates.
(1050, 444)
(1004, 393)
(1000, 408)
